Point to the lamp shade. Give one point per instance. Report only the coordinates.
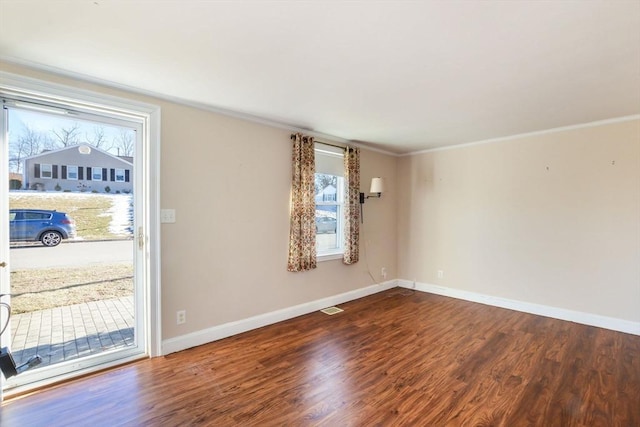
(377, 185)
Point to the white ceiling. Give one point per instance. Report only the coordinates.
(401, 75)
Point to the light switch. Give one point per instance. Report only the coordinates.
(167, 215)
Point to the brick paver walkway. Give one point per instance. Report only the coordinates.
(70, 332)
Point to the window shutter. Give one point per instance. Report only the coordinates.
(80, 173)
(88, 168)
(63, 171)
(113, 175)
(54, 171)
(126, 175)
(104, 174)
(36, 170)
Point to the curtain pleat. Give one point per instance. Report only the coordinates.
(302, 232)
(352, 206)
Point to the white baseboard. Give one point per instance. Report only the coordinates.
(590, 319)
(225, 330)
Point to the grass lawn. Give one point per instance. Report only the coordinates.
(94, 215)
(42, 289)
(90, 211)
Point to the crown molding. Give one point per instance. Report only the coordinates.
(528, 134)
(198, 105)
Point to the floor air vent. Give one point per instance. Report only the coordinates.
(331, 310)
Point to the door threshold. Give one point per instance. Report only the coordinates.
(36, 387)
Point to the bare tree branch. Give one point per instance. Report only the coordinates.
(125, 142)
(98, 139)
(29, 143)
(68, 135)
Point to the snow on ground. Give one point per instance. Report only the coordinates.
(17, 194)
(121, 210)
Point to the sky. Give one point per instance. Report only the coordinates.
(20, 119)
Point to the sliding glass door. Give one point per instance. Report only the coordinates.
(73, 247)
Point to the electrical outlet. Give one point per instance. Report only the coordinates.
(181, 317)
(384, 272)
(440, 274)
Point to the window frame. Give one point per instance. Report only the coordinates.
(116, 175)
(69, 169)
(147, 121)
(42, 170)
(96, 171)
(333, 153)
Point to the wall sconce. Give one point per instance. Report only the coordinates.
(376, 190)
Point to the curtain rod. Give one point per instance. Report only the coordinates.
(333, 145)
(326, 143)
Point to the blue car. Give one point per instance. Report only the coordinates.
(48, 227)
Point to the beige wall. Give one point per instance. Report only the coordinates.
(225, 259)
(228, 180)
(551, 219)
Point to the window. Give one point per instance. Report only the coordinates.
(46, 171)
(329, 198)
(72, 173)
(119, 175)
(37, 215)
(96, 174)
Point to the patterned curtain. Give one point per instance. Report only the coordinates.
(302, 232)
(352, 206)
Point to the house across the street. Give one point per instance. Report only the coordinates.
(15, 181)
(78, 168)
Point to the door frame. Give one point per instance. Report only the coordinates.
(147, 173)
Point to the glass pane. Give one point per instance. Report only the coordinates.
(327, 211)
(72, 172)
(71, 240)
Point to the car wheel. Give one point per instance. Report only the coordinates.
(51, 238)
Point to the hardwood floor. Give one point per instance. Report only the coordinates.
(392, 359)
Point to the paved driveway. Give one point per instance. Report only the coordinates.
(71, 254)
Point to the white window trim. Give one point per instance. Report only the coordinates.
(330, 256)
(68, 168)
(93, 173)
(339, 223)
(116, 175)
(50, 171)
(335, 253)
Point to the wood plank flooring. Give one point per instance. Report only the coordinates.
(396, 358)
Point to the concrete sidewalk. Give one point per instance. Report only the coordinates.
(69, 332)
